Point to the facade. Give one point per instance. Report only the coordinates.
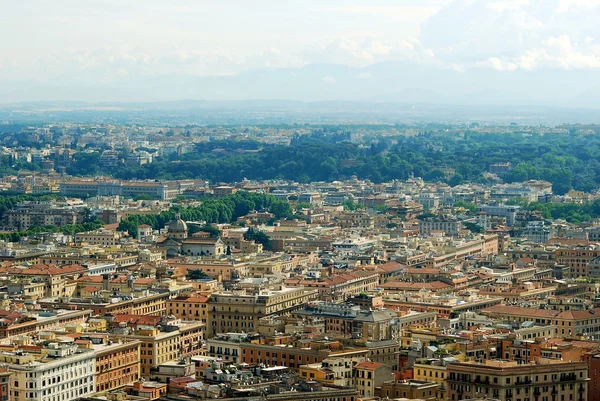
(451, 226)
(370, 375)
(227, 346)
(340, 286)
(100, 237)
(240, 311)
(511, 381)
(31, 214)
(352, 322)
(117, 364)
(192, 307)
(410, 389)
(68, 375)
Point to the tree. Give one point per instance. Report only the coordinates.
(351, 206)
(196, 274)
(474, 228)
(212, 231)
(258, 237)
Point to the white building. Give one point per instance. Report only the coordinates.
(101, 268)
(66, 373)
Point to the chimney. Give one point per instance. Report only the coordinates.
(105, 281)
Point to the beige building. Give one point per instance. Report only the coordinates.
(159, 347)
(61, 372)
(99, 237)
(369, 375)
(510, 381)
(240, 311)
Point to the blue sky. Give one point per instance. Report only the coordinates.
(96, 41)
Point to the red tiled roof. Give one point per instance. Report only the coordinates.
(137, 319)
(40, 269)
(367, 365)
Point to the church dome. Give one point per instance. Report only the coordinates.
(178, 225)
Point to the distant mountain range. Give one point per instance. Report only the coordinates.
(385, 92)
(389, 82)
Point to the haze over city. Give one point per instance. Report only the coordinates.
(529, 52)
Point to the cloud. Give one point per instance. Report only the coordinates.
(498, 64)
(515, 34)
(329, 80)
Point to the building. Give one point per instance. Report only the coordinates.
(506, 211)
(240, 311)
(34, 214)
(542, 379)
(351, 322)
(16, 324)
(339, 286)
(432, 371)
(62, 372)
(189, 307)
(277, 352)
(99, 237)
(5, 375)
(117, 364)
(227, 346)
(337, 371)
(412, 389)
(370, 375)
(88, 188)
(449, 225)
(568, 323)
(159, 346)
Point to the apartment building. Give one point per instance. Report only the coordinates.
(240, 311)
(568, 323)
(164, 344)
(153, 304)
(33, 214)
(227, 346)
(99, 237)
(413, 389)
(449, 225)
(117, 364)
(189, 307)
(340, 286)
(370, 375)
(278, 352)
(15, 324)
(542, 379)
(61, 372)
(351, 322)
(577, 259)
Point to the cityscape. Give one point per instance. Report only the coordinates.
(319, 201)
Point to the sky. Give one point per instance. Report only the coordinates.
(104, 42)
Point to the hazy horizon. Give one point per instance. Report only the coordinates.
(462, 52)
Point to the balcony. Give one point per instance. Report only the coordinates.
(568, 377)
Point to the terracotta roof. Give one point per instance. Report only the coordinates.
(90, 279)
(137, 319)
(331, 281)
(579, 314)
(410, 286)
(369, 365)
(390, 266)
(520, 311)
(40, 269)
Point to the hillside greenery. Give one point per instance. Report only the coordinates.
(220, 210)
(568, 161)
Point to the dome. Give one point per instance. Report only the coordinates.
(177, 225)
